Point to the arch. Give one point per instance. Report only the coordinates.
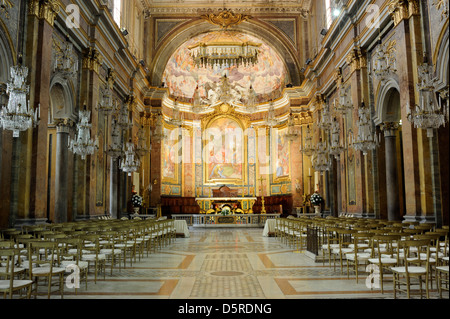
(195, 28)
(6, 55)
(443, 56)
(62, 102)
(388, 99)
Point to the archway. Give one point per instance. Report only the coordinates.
(389, 119)
(170, 45)
(61, 120)
(443, 133)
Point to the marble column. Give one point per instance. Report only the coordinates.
(338, 185)
(15, 168)
(38, 48)
(392, 191)
(61, 172)
(113, 189)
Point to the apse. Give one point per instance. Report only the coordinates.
(267, 76)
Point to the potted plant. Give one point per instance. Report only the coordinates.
(316, 201)
(136, 200)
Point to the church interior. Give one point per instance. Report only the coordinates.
(237, 149)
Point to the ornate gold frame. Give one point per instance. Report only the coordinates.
(275, 179)
(165, 179)
(225, 111)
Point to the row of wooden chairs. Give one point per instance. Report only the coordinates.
(381, 246)
(60, 250)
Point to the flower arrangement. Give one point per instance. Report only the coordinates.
(226, 211)
(136, 200)
(316, 199)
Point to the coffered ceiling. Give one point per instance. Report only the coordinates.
(251, 6)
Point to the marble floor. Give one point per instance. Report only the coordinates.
(230, 263)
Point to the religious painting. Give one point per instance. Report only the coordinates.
(281, 155)
(224, 151)
(171, 155)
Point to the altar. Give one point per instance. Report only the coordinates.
(233, 221)
(225, 201)
(234, 205)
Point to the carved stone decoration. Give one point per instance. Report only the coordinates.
(45, 9)
(403, 9)
(92, 60)
(225, 18)
(356, 59)
(5, 6)
(442, 6)
(225, 109)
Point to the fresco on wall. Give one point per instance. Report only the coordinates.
(281, 158)
(224, 150)
(267, 77)
(170, 156)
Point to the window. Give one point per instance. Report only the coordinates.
(328, 13)
(117, 11)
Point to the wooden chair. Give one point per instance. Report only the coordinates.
(385, 254)
(90, 252)
(42, 259)
(345, 237)
(415, 266)
(362, 252)
(8, 282)
(442, 279)
(70, 255)
(331, 241)
(114, 255)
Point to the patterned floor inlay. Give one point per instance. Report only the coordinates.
(230, 264)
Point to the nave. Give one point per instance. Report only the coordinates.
(231, 263)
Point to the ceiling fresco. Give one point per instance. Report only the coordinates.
(267, 76)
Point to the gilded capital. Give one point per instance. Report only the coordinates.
(64, 125)
(92, 60)
(403, 9)
(389, 128)
(44, 9)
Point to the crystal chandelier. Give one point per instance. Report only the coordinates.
(18, 115)
(270, 118)
(251, 100)
(336, 148)
(123, 118)
(141, 148)
(131, 163)
(429, 114)
(177, 118)
(159, 128)
(321, 160)
(107, 104)
(344, 105)
(308, 148)
(225, 50)
(326, 119)
(292, 133)
(366, 140)
(197, 106)
(115, 149)
(83, 145)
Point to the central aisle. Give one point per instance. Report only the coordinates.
(227, 264)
